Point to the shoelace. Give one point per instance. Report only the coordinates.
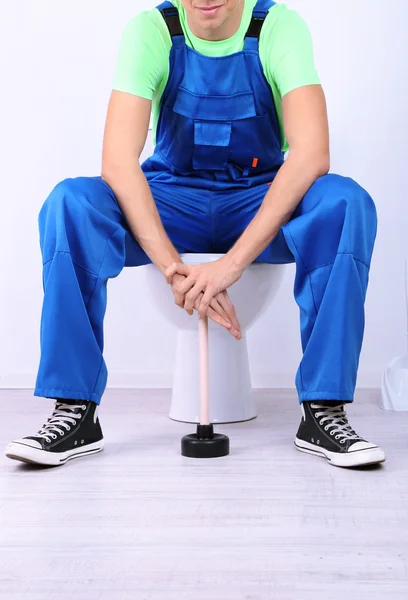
(335, 419)
(60, 421)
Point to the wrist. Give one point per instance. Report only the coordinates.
(165, 263)
(234, 262)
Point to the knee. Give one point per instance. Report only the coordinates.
(351, 200)
(63, 214)
(64, 196)
(347, 213)
(68, 196)
(59, 216)
(336, 216)
(79, 214)
(73, 200)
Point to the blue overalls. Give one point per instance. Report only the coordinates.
(218, 148)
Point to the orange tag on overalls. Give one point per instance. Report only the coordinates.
(255, 163)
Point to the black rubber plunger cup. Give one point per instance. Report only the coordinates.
(205, 443)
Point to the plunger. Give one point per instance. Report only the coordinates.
(205, 443)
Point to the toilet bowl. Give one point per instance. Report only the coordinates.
(230, 381)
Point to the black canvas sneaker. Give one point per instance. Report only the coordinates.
(72, 431)
(325, 431)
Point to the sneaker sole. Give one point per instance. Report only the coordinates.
(359, 458)
(35, 456)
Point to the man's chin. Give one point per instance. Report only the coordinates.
(210, 25)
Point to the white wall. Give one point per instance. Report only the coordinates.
(57, 61)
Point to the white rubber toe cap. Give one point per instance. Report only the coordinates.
(362, 446)
(31, 443)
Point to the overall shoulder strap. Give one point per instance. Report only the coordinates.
(259, 15)
(171, 15)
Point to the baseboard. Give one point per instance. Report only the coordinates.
(163, 380)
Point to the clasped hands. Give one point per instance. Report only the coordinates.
(204, 288)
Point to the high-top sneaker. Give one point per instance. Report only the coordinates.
(325, 431)
(72, 431)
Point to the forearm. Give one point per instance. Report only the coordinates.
(136, 201)
(288, 188)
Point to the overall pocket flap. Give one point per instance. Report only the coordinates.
(215, 108)
(208, 133)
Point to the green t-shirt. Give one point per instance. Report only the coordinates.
(285, 50)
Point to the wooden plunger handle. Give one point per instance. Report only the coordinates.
(204, 371)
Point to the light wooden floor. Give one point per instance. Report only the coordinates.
(139, 522)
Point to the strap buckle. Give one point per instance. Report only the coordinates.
(255, 27)
(172, 18)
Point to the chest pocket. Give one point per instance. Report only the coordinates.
(213, 118)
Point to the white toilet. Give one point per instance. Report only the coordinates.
(230, 381)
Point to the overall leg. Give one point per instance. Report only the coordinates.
(83, 244)
(85, 241)
(332, 236)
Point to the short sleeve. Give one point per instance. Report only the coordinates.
(143, 56)
(288, 51)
